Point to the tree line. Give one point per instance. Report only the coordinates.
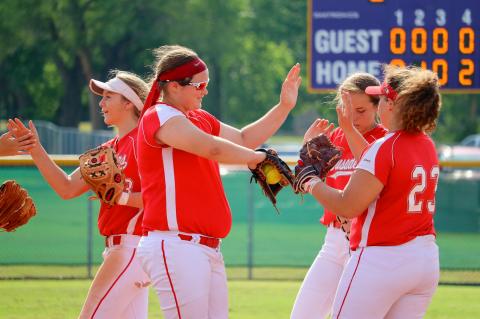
(50, 49)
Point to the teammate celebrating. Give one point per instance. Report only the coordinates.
(119, 289)
(357, 120)
(186, 211)
(394, 268)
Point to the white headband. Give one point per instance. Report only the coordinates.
(117, 86)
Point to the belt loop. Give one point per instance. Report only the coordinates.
(196, 239)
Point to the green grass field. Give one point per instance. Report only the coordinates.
(54, 245)
(60, 299)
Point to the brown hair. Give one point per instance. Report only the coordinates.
(418, 98)
(168, 57)
(137, 84)
(357, 83)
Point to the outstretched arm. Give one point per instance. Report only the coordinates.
(180, 133)
(66, 186)
(256, 133)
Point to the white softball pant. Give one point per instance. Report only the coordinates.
(392, 282)
(189, 278)
(120, 287)
(315, 298)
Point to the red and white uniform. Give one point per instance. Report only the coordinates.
(118, 219)
(315, 297)
(405, 208)
(183, 195)
(181, 191)
(119, 289)
(339, 175)
(394, 269)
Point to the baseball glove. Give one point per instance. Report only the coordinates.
(99, 168)
(272, 174)
(317, 157)
(16, 206)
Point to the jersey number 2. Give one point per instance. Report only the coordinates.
(420, 174)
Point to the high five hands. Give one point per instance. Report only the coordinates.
(20, 131)
(16, 143)
(289, 93)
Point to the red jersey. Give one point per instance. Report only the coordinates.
(181, 191)
(121, 219)
(407, 165)
(339, 175)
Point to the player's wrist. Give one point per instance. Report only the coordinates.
(123, 199)
(310, 184)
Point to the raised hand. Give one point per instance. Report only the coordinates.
(9, 145)
(320, 126)
(18, 129)
(344, 112)
(289, 93)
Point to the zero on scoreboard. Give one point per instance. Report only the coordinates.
(345, 36)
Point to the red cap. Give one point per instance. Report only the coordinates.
(384, 89)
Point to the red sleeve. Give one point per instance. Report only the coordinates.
(149, 125)
(213, 121)
(377, 159)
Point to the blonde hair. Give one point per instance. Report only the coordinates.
(418, 98)
(357, 83)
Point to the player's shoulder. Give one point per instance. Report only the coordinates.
(201, 113)
(382, 144)
(110, 143)
(133, 133)
(377, 132)
(159, 114)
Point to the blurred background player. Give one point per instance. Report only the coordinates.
(119, 289)
(356, 117)
(394, 268)
(186, 211)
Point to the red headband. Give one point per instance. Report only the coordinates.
(383, 89)
(388, 91)
(181, 72)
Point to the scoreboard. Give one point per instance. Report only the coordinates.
(345, 36)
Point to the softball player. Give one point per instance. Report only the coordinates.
(394, 268)
(315, 298)
(119, 289)
(186, 211)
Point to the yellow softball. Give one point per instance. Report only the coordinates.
(271, 173)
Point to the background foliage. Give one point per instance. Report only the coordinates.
(52, 48)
